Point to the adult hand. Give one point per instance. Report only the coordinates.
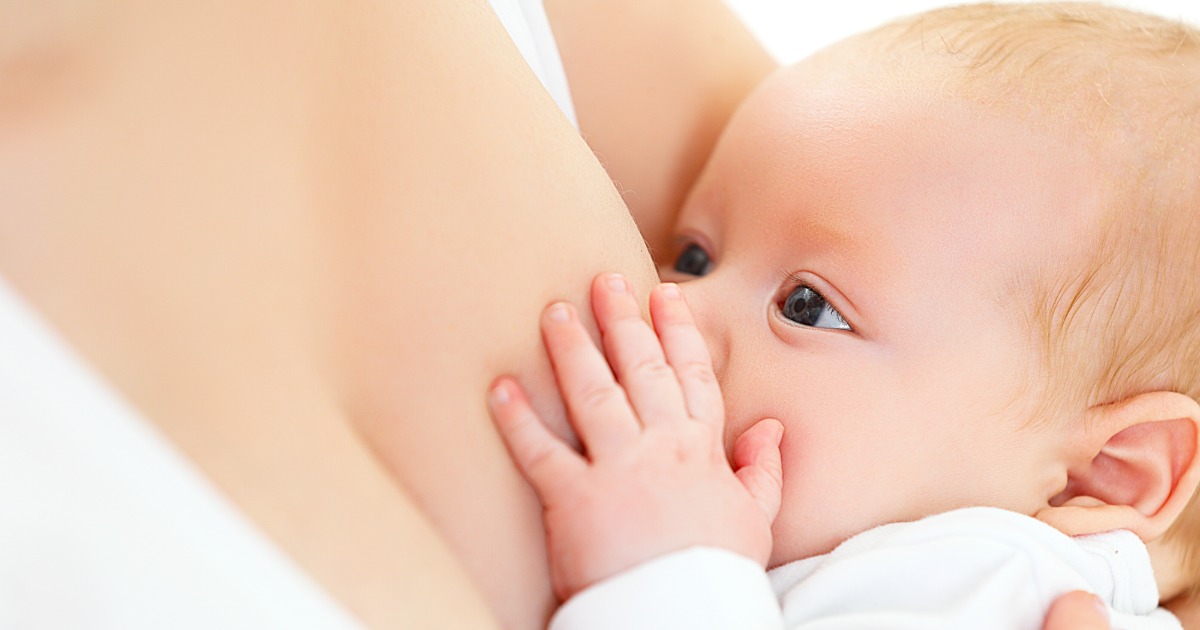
(1077, 610)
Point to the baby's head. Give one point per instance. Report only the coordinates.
(956, 256)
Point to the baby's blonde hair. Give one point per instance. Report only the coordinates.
(1129, 321)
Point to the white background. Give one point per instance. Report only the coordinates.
(791, 29)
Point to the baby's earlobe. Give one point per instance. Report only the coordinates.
(1089, 515)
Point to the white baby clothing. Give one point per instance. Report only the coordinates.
(972, 568)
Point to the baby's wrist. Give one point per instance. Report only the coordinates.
(662, 592)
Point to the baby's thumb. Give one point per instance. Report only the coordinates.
(1077, 610)
(757, 464)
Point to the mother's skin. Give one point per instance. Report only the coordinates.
(280, 228)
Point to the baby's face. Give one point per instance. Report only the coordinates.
(860, 264)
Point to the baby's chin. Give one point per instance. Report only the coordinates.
(792, 548)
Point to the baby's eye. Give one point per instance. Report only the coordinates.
(693, 261)
(809, 308)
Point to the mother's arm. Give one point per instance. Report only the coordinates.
(653, 84)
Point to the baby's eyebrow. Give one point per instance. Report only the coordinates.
(828, 228)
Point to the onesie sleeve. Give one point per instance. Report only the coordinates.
(701, 588)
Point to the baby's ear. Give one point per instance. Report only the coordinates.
(1138, 468)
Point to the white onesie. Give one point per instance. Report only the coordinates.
(975, 568)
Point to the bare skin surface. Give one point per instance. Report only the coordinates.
(302, 239)
(654, 84)
(280, 231)
(1187, 608)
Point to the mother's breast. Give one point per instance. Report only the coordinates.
(459, 202)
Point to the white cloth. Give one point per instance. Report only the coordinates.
(526, 23)
(103, 524)
(973, 568)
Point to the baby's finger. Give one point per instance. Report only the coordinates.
(1077, 610)
(687, 353)
(597, 405)
(635, 353)
(545, 460)
(759, 466)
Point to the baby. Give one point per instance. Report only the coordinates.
(953, 263)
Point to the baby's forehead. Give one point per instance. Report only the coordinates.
(904, 176)
(884, 79)
(1103, 86)
(874, 73)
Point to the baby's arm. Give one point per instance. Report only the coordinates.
(654, 478)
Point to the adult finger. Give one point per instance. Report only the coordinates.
(1077, 610)
(635, 353)
(597, 406)
(544, 459)
(688, 355)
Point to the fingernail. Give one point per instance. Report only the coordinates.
(670, 291)
(558, 312)
(1099, 605)
(499, 395)
(616, 283)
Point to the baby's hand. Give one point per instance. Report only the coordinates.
(654, 478)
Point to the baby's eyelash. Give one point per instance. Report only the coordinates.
(794, 279)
